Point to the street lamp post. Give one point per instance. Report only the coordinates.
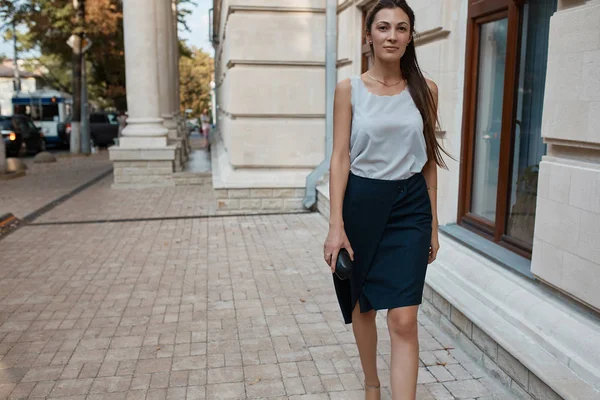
(85, 123)
(17, 74)
(79, 6)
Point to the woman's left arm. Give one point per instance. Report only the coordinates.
(430, 174)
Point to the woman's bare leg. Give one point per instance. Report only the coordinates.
(403, 328)
(365, 332)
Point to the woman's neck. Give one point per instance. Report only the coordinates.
(387, 72)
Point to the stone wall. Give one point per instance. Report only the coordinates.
(566, 251)
(284, 199)
(137, 168)
(143, 173)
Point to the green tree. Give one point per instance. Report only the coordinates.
(196, 72)
(49, 23)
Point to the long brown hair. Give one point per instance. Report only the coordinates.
(419, 90)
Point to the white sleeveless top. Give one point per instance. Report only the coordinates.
(387, 140)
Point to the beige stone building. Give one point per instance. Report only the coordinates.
(30, 82)
(517, 278)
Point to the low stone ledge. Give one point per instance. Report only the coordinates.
(268, 199)
(117, 153)
(140, 168)
(258, 203)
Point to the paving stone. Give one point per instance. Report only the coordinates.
(459, 372)
(159, 380)
(22, 390)
(263, 372)
(12, 375)
(189, 363)
(225, 375)
(265, 388)
(6, 389)
(293, 386)
(72, 387)
(42, 389)
(313, 384)
(441, 373)
(195, 393)
(111, 384)
(439, 391)
(468, 388)
(428, 358)
(42, 374)
(226, 391)
(156, 394)
(425, 376)
(315, 397)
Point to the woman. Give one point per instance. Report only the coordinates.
(383, 181)
(205, 124)
(122, 120)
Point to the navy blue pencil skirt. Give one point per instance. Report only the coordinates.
(388, 224)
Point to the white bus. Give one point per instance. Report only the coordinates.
(47, 108)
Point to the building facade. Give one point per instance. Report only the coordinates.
(270, 86)
(30, 82)
(519, 84)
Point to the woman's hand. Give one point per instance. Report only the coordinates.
(336, 240)
(435, 245)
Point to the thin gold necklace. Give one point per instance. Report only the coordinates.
(383, 83)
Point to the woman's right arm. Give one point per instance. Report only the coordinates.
(338, 172)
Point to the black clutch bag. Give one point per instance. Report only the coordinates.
(343, 265)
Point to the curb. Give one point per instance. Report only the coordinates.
(9, 223)
(44, 209)
(8, 176)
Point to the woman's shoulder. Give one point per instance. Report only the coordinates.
(343, 89)
(345, 85)
(432, 85)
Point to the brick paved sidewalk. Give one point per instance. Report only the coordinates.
(210, 308)
(45, 183)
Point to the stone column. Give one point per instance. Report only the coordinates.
(165, 82)
(143, 157)
(144, 125)
(174, 58)
(182, 125)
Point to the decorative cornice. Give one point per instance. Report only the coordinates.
(310, 64)
(343, 62)
(431, 35)
(233, 63)
(271, 116)
(238, 8)
(344, 6)
(566, 143)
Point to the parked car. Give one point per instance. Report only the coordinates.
(104, 128)
(21, 136)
